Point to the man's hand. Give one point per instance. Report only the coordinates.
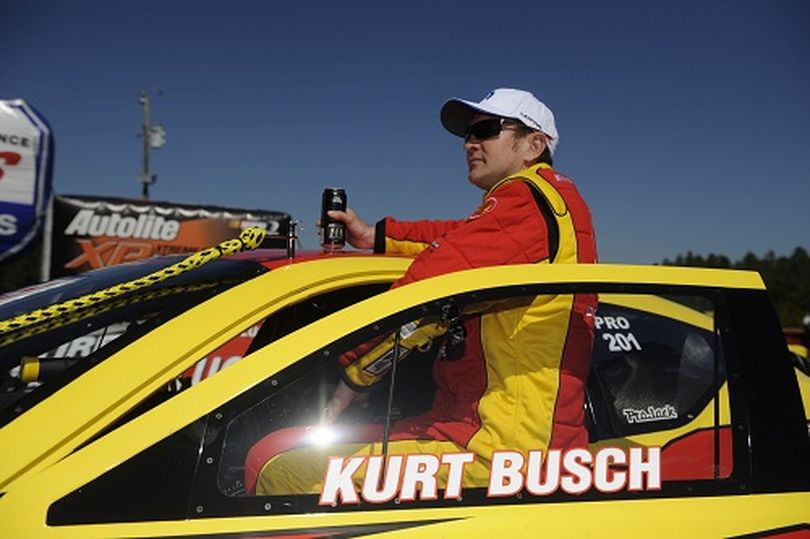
(359, 234)
(343, 397)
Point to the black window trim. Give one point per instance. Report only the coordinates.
(209, 502)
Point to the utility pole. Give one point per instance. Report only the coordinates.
(153, 137)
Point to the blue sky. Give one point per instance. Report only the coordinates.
(686, 125)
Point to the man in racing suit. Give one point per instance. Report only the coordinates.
(518, 380)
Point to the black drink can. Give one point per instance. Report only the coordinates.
(333, 233)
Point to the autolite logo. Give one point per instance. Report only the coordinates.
(146, 227)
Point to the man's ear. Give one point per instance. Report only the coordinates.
(537, 144)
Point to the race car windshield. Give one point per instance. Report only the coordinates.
(38, 359)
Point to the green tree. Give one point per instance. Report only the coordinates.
(787, 278)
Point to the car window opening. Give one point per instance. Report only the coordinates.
(67, 346)
(657, 379)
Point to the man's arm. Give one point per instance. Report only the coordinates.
(409, 237)
(509, 228)
(364, 365)
(392, 236)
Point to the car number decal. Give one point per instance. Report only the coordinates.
(622, 339)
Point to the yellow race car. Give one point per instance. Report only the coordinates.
(146, 410)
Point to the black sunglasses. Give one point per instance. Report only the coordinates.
(487, 129)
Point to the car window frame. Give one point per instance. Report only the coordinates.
(206, 495)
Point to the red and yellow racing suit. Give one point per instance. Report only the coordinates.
(519, 383)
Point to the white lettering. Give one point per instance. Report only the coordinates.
(230, 361)
(8, 224)
(78, 226)
(505, 478)
(639, 468)
(169, 230)
(213, 365)
(455, 475)
(87, 223)
(612, 322)
(412, 476)
(98, 225)
(374, 471)
(651, 413)
(251, 332)
(199, 369)
(415, 477)
(577, 463)
(420, 470)
(81, 347)
(605, 479)
(619, 342)
(127, 227)
(338, 482)
(538, 483)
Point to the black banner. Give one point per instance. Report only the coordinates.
(94, 232)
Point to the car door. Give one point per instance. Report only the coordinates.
(183, 467)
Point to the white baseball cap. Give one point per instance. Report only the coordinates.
(506, 103)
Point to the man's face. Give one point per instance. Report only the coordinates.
(492, 159)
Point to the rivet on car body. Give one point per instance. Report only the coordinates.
(274, 382)
(268, 506)
(218, 416)
(209, 460)
(199, 508)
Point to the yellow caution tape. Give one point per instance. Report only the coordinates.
(249, 239)
(99, 308)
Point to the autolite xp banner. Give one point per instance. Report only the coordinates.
(94, 232)
(26, 167)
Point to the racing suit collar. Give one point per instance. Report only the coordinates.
(520, 174)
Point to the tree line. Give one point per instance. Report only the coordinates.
(787, 278)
